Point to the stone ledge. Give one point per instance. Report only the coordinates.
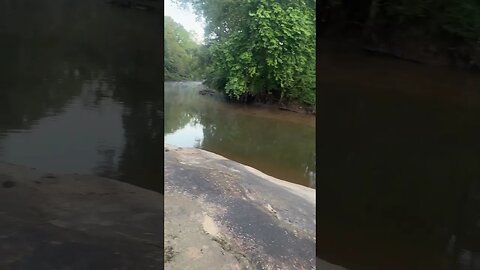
(50, 221)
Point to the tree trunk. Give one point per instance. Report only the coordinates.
(369, 25)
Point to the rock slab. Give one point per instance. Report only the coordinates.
(50, 221)
(220, 214)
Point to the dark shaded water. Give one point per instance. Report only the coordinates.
(279, 143)
(81, 89)
(399, 164)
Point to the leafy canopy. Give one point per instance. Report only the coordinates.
(181, 60)
(260, 47)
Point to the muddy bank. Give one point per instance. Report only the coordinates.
(413, 46)
(223, 215)
(50, 221)
(427, 32)
(268, 103)
(347, 68)
(294, 107)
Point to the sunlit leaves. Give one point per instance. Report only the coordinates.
(181, 53)
(261, 46)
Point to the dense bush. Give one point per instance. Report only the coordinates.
(181, 53)
(261, 47)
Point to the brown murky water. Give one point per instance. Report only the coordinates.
(399, 164)
(80, 90)
(278, 143)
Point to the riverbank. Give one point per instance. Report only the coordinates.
(293, 106)
(51, 221)
(407, 43)
(350, 68)
(430, 32)
(232, 130)
(220, 213)
(413, 47)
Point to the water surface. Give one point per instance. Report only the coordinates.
(81, 89)
(278, 143)
(81, 92)
(399, 164)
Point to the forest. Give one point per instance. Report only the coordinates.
(262, 50)
(181, 57)
(421, 30)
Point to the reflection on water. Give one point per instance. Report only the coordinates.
(191, 135)
(399, 163)
(279, 143)
(80, 89)
(75, 148)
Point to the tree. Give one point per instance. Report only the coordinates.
(261, 47)
(180, 52)
(455, 18)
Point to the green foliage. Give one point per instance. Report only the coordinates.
(463, 19)
(452, 25)
(261, 46)
(458, 18)
(182, 56)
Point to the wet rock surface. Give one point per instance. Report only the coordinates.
(50, 221)
(220, 214)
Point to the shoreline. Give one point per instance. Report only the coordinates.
(293, 106)
(60, 221)
(238, 217)
(255, 109)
